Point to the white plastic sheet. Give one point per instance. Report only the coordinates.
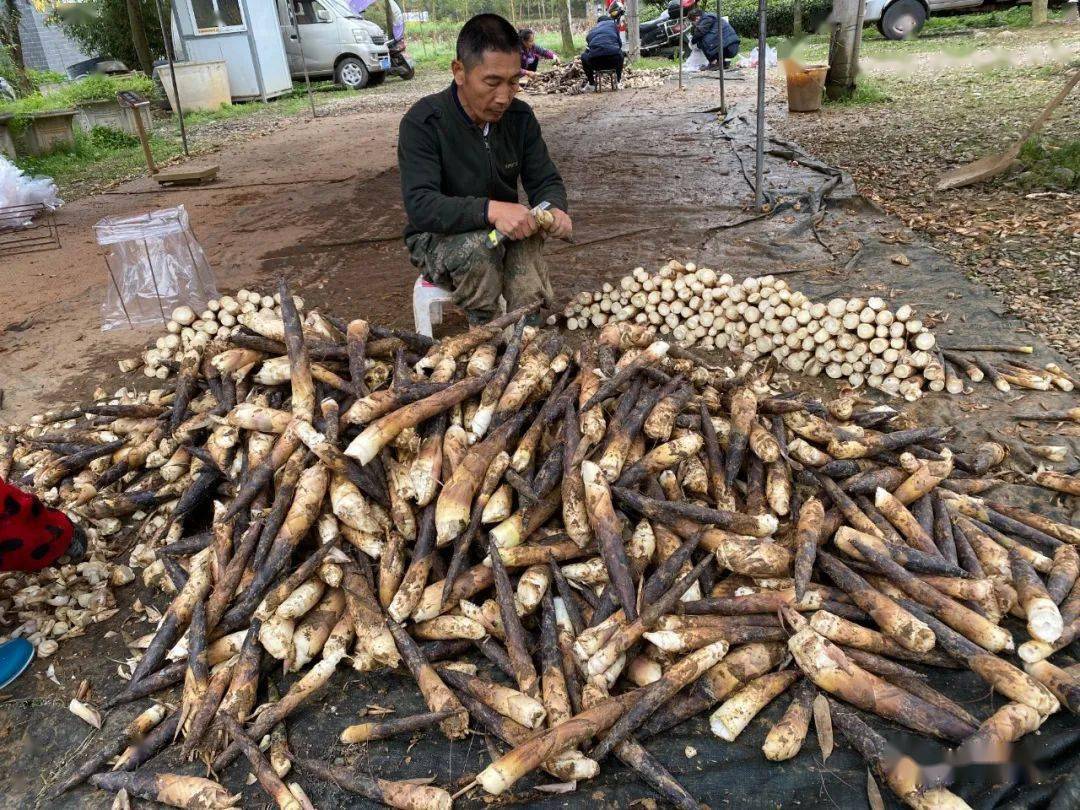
(155, 264)
(18, 189)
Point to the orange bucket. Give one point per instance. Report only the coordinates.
(805, 84)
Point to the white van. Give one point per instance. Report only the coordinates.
(335, 40)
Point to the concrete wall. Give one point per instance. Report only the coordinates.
(45, 47)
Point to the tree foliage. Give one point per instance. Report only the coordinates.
(102, 27)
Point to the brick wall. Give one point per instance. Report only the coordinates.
(45, 47)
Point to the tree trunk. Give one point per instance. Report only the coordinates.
(843, 48)
(796, 17)
(633, 32)
(389, 19)
(138, 37)
(564, 26)
(1038, 12)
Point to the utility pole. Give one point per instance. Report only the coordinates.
(138, 37)
(847, 19)
(633, 32)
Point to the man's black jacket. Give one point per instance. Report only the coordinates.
(450, 169)
(712, 33)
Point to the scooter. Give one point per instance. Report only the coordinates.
(401, 64)
(664, 32)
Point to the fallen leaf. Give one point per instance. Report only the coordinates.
(901, 259)
(85, 712)
(823, 726)
(873, 793)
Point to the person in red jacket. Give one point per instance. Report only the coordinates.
(32, 536)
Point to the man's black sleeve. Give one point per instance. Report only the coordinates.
(539, 176)
(428, 209)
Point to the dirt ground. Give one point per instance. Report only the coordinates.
(1018, 235)
(650, 176)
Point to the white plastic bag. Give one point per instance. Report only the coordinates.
(696, 60)
(18, 189)
(752, 58)
(155, 264)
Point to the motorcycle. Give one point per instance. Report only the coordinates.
(664, 34)
(401, 64)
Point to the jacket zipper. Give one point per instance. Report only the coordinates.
(492, 169)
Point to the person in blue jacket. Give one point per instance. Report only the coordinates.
(603, 47)
(713, 35)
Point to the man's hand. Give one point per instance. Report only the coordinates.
(561, 227)
(556, 60)
(512, 219)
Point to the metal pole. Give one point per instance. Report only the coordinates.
(172, 72)
(759, 161)
(303, 59)
(681, 35)
(720, 20)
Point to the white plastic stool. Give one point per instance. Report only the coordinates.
(427, 304)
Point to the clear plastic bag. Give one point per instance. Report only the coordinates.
(696, 60)
(155, 264)
(18, 189)
(752, 59)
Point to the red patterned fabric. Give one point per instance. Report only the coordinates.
(32, 536)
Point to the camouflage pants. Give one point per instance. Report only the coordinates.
(478, 275)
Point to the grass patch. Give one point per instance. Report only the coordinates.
(1051, 165)
(653, 62)
(867, 91)
(97, 156)
(1014, 17)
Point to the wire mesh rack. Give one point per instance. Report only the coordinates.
(27, 228)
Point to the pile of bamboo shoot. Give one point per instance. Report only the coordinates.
(861, 341)
(569, 550)
(187, 331)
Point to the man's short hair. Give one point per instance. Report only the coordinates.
(484, 33)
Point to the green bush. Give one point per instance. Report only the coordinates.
(98, 88)
(40, 77)
(779, 16)
(109, 139)
(92, 88)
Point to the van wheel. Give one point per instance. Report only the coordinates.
(353, 73)
(903, 19)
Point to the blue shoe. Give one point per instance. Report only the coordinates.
(15, 657)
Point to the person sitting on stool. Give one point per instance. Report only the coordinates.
(713, 35)
(461, 154)
(603, 49)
